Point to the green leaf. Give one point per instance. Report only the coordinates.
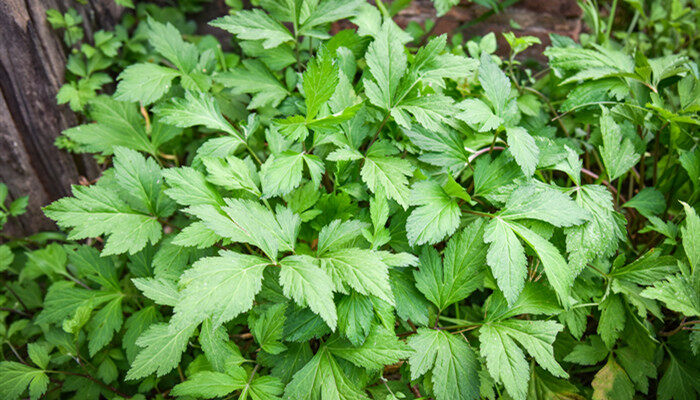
(118, 124)
(436, 216)
(618, 153)
(506, 257)
(612, 319)
(680, 381)
(558, 272)
(691, 238)
(144, 83)
(588, 354)
(161, 291)
(452, 361)
(537, 338)
(338, 235)
(355, 315)
(18, 206)
(308, 285)
(294, 128)
(431, 111)
(104, 324)
(690, 160)
(188, 187)
(197, 108)
(443, 148)
(39, 354)
(135, 325)
(523, 148)
(649, 201)
(611, 382)
(648, 269)
(506, 361)
(254, 78)
(286, 364)
(386, 60)
(167, 41)
(598, 237)
(265, 388)
(495, 83)
(545, 386)
(97, 210)
(322, 378)
(219, 287)
(140, 182)
(444, 6)
(282, 173)
(329, 11)
(218, 348)
(6, 257)
(479, 115)
(320, 81)
(233, 173)
(493, 179)
(254, 25)
(163, 346)
(62, 300)
(250, 222)
(171, 260)
(209, 384)
(460, 274)
(638, 369)
(410, 303)
(679, 292)
(362, 270)
(268, 329)
(383, 170)
(380, 348)
(16, 377)
(545, 204)
(433, 63)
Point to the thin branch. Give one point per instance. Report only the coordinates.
(22, 313)
(104, 385)
(376, 134)
(482, 151)
(604, 182)
(244, 393)
(17, 297)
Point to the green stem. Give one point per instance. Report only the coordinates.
(376, 134)
(611, 18)
(619, 188)
(252, 153)
(244, 392)
(481, 214)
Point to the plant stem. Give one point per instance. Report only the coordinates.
(376, 134)
(551, 108)
(90, 377)
(611, 18)
(482, 151)
(244, 392)
(486, 215)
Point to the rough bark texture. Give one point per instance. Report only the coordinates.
(32, 63)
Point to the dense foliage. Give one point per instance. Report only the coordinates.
(369, 214)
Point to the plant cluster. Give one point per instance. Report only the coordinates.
(367, 214)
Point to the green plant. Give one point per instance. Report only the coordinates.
(351, 216)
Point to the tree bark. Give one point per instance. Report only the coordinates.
(32, 65)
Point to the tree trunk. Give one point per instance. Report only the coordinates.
(32, 64)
